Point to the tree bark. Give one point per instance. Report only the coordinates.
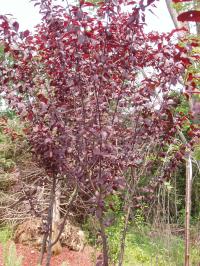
(48, 231)
(56, 248)
(188, 208)
(123, 239)
(55, 219)
(104, 238)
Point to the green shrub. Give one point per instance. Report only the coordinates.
(114, 235)
(114, 230)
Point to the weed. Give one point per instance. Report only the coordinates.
(10, 256)
(5, 234)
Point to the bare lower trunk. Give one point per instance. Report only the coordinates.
(187, 209)
(48, 230)
(188, 159)
(56, 248)
(196, 4)
(104, 239)
(105, 248)
(127, 211)
(122, 247)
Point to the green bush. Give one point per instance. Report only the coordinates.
(114, 230)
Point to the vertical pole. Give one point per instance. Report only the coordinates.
(188, 208)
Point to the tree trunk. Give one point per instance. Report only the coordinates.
(123, 239)
(56, 249)
(103, 238)
(55, 219)
(48, 231)
(197, 4)
(188, 208)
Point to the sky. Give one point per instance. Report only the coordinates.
(27, 15)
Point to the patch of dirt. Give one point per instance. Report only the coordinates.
(73, 258)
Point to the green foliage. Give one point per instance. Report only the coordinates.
(6, 152)
(183, 110)
(6, 164)
(139, 218)
(197, 152)
(114, 236)
(181, 7)
(115, 217)
(95, 2)
(114, 231)
(10, 256)
(183, 107)
(91, 228)
(11, 143)
(148, 247)
(181, 217)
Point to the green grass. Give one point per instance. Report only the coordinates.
(5, 234)
(10, 256)
(143, 248)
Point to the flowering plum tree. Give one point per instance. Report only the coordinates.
(95, 93)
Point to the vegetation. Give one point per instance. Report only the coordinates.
(94, 124)
(5, 235)
(10, 257)
(147, 246)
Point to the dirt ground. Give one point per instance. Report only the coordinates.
(73, 258)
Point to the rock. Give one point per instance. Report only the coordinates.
(73, 237)
(29, 233)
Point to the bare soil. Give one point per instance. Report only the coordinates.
(73, 258)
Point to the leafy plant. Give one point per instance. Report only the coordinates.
(87, 87)
(115, 219)
(139, 218)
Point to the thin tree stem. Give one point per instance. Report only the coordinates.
(188, 209)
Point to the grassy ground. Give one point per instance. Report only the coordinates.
(9, 252)
(5, 234)
(143, 248)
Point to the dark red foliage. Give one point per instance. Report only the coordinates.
(94, 92)
(192, 15)
(181, 1)
(16, 26)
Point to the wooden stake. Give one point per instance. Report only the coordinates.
(188, 208)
